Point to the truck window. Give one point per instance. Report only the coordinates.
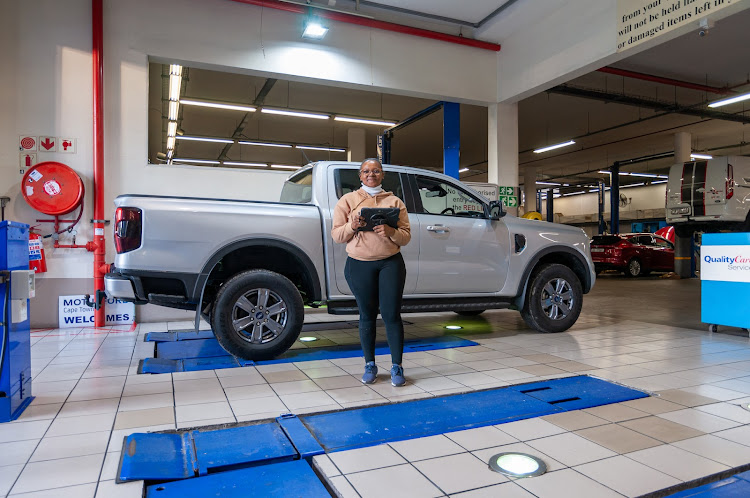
(347, 180)
(447, 199)
(298, 188)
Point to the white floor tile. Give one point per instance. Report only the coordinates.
(402, 481)
(458, 473)
(372, 457)
(51, 448)
(677, 462)
(566, 483)
(59, 473)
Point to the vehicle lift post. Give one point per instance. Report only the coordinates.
(602, 223)
(451, 135)
(614, 198)
(550, 205)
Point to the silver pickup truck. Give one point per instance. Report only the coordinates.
(250, 267)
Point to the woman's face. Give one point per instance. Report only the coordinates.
(371, 174)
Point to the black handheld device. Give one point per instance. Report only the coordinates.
(379, 216)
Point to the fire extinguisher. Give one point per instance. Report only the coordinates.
(37, 261)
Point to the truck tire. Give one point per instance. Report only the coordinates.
(469, 312)
(553, 299)
(258, 314)
(634, 269)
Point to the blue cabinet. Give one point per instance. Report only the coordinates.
(15, 340)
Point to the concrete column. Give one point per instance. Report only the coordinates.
(529, 189)
(502, 146)
(356, 150)
(682, 147)
(683, 247)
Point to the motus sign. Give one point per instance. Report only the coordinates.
(74, 312)
(725, 263)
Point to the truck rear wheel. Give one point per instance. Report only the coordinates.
(258, 314)
(553, 300)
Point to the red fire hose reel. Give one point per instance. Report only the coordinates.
(52, 188)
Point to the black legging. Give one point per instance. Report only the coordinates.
(379, 281)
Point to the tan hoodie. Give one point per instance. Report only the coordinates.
(369, 246)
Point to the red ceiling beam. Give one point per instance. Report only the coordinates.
(666, 81)
(372, 23)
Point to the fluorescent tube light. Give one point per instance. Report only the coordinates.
(175, 69)
(175, 82)
(236, 163)
(285, 166)
(170, 143)
(463, 170)
(701, 156)
(218, 105)
(547, 183)
(206, 139)
(170, 153)
(731, 100)
(329, 149)
(199, 161)
(265, 144)
(633, 185)
(605, 172)
(314, 30)
(172, 128)
(556, 146)
(364, 121)
(647, 175)
(173, 108)
(660, 181)
(284, 112)
(574, 193)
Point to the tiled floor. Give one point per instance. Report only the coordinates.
(643, 333)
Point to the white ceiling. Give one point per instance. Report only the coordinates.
(604, 132)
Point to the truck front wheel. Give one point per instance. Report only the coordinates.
(258, 314)
(554, 298)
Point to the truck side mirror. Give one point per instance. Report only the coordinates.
(496, 210)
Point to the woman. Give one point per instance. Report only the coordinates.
(375, 269)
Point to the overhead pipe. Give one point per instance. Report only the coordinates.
(372, 23)
(665, 81)
(97, 51)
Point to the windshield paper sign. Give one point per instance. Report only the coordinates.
(725, 263)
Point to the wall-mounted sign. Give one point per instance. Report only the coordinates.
(48, 144)
(641, 20)
(488, 190)
(26, 142)
(26, 160)
(67, 145)
(72, 311)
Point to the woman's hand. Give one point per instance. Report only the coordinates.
(357, 222)
(384, 230)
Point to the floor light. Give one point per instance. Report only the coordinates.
(517, 465)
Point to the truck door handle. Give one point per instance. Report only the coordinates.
(438, 229)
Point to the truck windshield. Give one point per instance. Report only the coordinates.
(298, 188)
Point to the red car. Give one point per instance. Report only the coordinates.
(633, 253)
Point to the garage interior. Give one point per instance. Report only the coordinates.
(557, 76)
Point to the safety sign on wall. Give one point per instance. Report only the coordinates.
(72, 311)
(489, 191)
(507, 195)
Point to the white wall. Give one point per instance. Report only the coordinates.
(639, 199)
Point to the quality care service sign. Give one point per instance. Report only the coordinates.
(725, 263)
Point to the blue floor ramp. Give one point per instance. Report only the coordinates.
(737, 486)
(207, 354)
(166, 457)
(282, 480)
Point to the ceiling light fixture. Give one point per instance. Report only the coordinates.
(731, 100)
(556, 146)
(170, 143)
(265, 144)
(310, 147)
(453, 327)
(199, 161)
(285, 166)
(632, 185)
(463, 170)
(206, 139)
(547, 183)
(284, 112)
(175, 82)
(660, 181)
(701, 156)
(647, 175)
(378, 122)
(173, 108)
(218, 105)
(237, 163)
(172, 128)
(314, 29)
